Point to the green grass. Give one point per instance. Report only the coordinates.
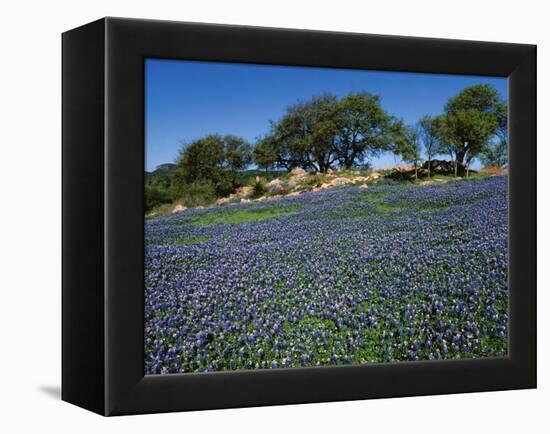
(375, 195)
(242, 216)
(383, 208)
(159, 210)
(184, 241)
(248, 177)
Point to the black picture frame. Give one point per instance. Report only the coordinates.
(103, 223)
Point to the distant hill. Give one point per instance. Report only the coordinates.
(163, 169)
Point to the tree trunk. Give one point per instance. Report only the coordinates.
(415, 172)
(429, 167)
(456, 168)
(348, 163)
(460, 156)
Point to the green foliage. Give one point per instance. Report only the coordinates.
(430, 129)
(302, 138)
(259, 189)
(155, 196)
(213, 160)
(326, 131)
(482, 98)
(364, 129)
(196, 194)
(466, 133)
(248, 177)
(265, 153)
(237, 153)
(202, 160)
(495, 154)
(408, 146)
(471, 119)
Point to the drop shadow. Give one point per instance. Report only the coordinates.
(53, 392)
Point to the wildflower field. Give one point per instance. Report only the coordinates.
(340, 276)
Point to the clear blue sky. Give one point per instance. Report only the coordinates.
(186, 100)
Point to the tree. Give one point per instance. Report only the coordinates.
(321, 117)
(471, 119)
(283, 147)
(481, 97)
(409, 147)
(495, 154)
(364, 129)
(326, 131)
(430, 133)
(502, 117)
(202, 159)
(264, 154)
(237, 156)
(213, 159)
(304, 137)
(466, 133)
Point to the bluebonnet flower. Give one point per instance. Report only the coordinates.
(384, 274)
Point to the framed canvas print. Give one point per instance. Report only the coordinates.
(257, 216)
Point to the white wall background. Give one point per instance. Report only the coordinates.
(30, 217)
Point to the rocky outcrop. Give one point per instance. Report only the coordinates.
(443, 167)
(340, 181)
(437, 167)
(276, 186)
(179, 208)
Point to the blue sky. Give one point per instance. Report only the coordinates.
(186, 100)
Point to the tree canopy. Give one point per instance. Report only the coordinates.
(213, 159)
(471, 119)
(325, 132)
(328, 132)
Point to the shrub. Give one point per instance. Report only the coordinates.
(196, 194)
(155, 197)
(223, 186)
(259, 190)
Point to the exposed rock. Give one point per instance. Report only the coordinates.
(340, 181)
(373, 176)
(296, 175)
(276, 186)
(298, 172)
(443, 167)
(330, 171)
(402, 175)
(245, 191)
(243, 200)
(363, 186)
(179, 208)
(494, 171)
(223, 200)
(292, 183)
